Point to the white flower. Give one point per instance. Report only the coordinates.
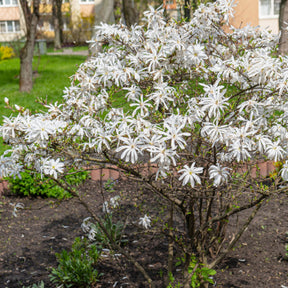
(162, 96)
(275, 151)
(195, 54)
(105, 207)
(145, 221)
(114, 201)
(17, 107)
(39, 130)
(262, 142)
(190, 174)
(239, 150)
(52, 167)
(284, 171)
(162, 155)
(133, 92)
(176, 136)
(131, 149)
(219, 174)
(16, 207)
(86, 225)
(215, 101)
(141, 105)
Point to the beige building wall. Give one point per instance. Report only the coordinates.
(246, 12)
(270, 24)
(87, 10)
(75, 13)
(10, 14)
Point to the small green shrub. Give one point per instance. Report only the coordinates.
(6, 52)
(35, 185)
(77, 268)
(199, 273)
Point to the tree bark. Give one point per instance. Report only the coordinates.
(104, 12)
(58, 23)
(283, 17)
(26, 53)
(130, 13)
(187, 15)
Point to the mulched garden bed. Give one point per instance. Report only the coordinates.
(46, 226)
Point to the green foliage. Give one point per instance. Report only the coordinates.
(199, 273)
(109, 185)
(115, 231)
(35, 185)
(77, 268)
(6, 52)
(171, 282)
(39, 285)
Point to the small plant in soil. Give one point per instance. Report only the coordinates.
(95, 233)
(77, 268)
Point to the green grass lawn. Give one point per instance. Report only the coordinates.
(52, 77)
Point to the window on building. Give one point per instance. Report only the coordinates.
(269, 8)
(8, 2)
(87, 1)
(2, 27)
(9, 26)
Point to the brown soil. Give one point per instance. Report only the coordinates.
(45, 226)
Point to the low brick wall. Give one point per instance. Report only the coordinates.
(97, 174)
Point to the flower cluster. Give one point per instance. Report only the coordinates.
(200, 100)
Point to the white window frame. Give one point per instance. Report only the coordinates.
(13, 27)
(8, 5)
(271, 15)
(84, 2)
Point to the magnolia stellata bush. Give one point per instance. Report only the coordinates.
(203, 101)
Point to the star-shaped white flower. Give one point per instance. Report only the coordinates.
(190, 174)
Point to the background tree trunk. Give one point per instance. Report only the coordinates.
(187, 8)
(26, 53)
(130, 12)
(104, 12)
(283, 17)
(58, 23)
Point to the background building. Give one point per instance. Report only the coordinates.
(79, 17)
(263, 13)
(12, 24)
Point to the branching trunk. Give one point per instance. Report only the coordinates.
(26, 53)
